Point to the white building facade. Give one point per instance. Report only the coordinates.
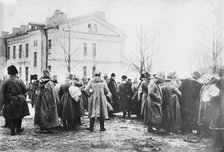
(25, 49)
(94, 44)
(86, 43)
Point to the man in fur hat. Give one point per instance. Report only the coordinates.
(13, 99)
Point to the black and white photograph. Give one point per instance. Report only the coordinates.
(112, 75)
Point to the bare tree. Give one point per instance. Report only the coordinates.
(210, 52)
(65, 39)
(208, 55)
(143, 58)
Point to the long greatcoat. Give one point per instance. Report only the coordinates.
(13, 98)
(125, 94)
(217, 115)
(97, 105)
(112, 85)
(189, 104)
(209, 96)
(144, 97)
(69, 108)
(154, 104)
(171, 105)
(46, 115)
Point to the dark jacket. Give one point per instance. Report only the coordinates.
(112, 85)
(13, 98)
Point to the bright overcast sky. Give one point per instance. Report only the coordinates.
(178, 25)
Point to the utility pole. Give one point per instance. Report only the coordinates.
(46, 36)
(69, 50)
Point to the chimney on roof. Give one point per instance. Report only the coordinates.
(100, 14)
(57, 18)
(15, 29)
(24, 27)
(4, 33)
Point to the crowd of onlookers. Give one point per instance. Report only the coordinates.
(164, 103)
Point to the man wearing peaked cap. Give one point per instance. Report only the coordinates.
(196, 75)
(154, 104)
(125, 93)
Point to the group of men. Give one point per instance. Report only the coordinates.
(164, 103)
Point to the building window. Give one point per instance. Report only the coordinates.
(95, 28)
(35, 43)
(27, 49)
(94, 49)
(89, 28)
(20, 72)
(20, 51)
(84, 49)
(35, 59)
(27, 74)
(14, 52)
(84, 71)
(93, 71)
(8, 52)
(49, 44)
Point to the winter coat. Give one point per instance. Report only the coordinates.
(13, 98)
(97, 104)
(189, 102)
(217, 109)
(69, 108)
(125, 93)
(46, 115)
(154, 102)
(144, 96)
(112, 85)
(171, 105)
(209, 96)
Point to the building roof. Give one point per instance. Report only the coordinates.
(98, 18)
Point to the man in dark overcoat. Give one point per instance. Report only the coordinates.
(125, 96)
(189, 103)
(13, 99)
(112, 85)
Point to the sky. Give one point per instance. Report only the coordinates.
(178, 27)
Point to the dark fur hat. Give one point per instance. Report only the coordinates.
(112, 75)
(12, 70)
(124, 77)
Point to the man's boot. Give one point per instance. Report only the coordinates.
(92, 121)
(18, 126)
(124, 114)
(102, 124)
(12, 127)
(129, 114)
